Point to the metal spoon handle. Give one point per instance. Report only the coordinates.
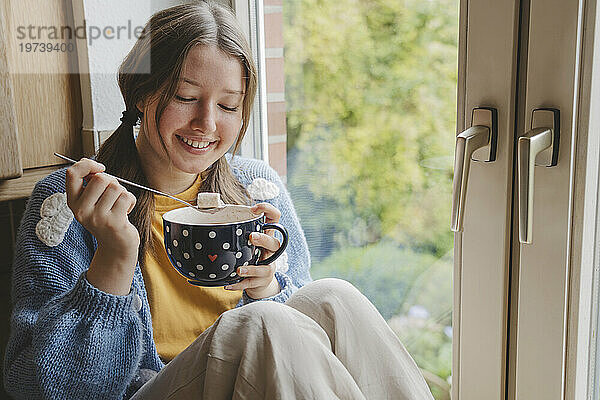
(125, 181)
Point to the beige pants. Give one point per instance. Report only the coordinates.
(326, 342)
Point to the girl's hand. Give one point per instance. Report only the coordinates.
(260, 280)
(102, 207)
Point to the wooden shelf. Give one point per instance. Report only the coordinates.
(19, 188)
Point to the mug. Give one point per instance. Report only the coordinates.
(207, 248)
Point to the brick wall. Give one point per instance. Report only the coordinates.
(275, 85)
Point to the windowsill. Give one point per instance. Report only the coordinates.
(20, 188)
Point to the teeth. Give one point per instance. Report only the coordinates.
(195, 144)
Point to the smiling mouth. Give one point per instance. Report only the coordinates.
(193, 143)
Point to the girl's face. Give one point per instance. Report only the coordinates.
(201, 122)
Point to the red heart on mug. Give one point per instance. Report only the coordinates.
(212, 258)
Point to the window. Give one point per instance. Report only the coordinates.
(361, 100)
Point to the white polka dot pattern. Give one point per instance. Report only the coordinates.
(213, 253)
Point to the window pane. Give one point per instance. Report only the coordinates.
(365, 112)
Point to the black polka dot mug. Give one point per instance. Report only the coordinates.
(208, 248)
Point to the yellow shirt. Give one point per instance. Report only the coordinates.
(180, 311)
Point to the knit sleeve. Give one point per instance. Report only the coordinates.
(297, 272)
(68, 339)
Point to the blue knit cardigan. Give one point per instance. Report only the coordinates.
(70, 340)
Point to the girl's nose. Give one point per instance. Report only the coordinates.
(203, 119)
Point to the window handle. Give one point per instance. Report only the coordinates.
(477, 143)
(539, 146)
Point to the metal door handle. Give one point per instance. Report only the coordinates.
(539, 146)
(481, 135)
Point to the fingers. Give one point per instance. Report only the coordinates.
(115, 198)
(100, 193)
(124, 203)
(272, 214)
(267, 242)
(102, 197)
(256, 271)
(76, 173)
(257, 276)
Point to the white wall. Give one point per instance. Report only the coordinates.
(105, 55)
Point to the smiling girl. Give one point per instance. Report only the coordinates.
(98, 311)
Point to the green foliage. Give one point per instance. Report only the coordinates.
(429, 339)
(370, 92)
(383, 272)
(370, 107)
(427, 343)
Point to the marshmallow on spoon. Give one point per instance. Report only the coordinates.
(209, 200)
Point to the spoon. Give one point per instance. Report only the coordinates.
(210, 210)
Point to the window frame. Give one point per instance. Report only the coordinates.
(249, 14)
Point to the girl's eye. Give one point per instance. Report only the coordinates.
(188, 100)
(184, 99)
(228, 108)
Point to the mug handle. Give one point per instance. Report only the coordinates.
(282, 247)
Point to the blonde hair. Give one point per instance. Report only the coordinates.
(162, 49)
